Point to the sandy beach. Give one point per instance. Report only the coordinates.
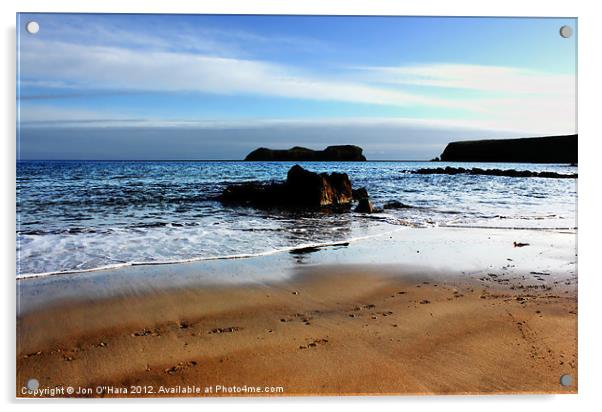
(287, 205)
(327, 329)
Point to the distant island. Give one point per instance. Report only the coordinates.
(344, 153)
(550, 149)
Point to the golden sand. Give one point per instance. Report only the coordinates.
(337, 330)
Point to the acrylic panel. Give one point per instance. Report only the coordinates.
(227, 205)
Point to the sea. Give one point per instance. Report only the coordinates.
(78, 216)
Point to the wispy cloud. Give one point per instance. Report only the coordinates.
(48, 115)
(43, 116)
(498, 79)
(519, 98)
(101, 67)
(89, 57)
(155, 33)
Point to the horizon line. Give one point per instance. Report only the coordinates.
(222, 160)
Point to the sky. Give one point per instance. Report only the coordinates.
(101, 86)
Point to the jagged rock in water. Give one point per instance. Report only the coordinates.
(394, 204)
(307, 188)
(492, 172)
(364, 206)
(302, 189)
(360, 193)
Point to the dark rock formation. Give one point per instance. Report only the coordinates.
(311, 189)
(348, 153)
(302, 189)
(394, 204)
(492, 172)
(254, 193)
(360, 193)
(364, 206)
(551, 149)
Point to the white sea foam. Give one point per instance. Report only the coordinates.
(299, 247)
(75, 217)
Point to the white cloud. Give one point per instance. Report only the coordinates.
(145, 34)
(101, 67)
(508, 98)
(475, 77)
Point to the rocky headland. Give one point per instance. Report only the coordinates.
(550, 149)
(344, 153)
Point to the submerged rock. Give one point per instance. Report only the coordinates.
(394, 204)
(255, 193)
(492, 172)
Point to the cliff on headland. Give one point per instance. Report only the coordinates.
(550, 149)
(345, 153)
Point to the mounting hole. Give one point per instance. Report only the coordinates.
(566, 380)
(566, 31)
(32, 27)
(33, 384)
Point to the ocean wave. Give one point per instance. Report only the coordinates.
(300, 247)
(75, 217)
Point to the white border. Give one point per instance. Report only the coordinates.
(590, 233)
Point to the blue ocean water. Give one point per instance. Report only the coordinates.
(85, 215)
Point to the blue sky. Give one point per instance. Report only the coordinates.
(215, 87)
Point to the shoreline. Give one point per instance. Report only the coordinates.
(330, 322)
(490, 249)
(291, 249)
